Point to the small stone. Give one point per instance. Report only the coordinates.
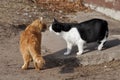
(60, 11)
(30, 16)
(105, 66)
(17, 13)
(25, 14)
(35, 7)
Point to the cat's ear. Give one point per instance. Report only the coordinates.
(55, 20)
(41, 18)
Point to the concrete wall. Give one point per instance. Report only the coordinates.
(112, 4)
(110, 8)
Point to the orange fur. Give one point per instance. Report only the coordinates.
(30, 44)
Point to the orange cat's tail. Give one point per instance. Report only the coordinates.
(39, 62)
(37, 58)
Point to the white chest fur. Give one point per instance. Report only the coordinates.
(72, 36)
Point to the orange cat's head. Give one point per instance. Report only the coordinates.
(40, 24)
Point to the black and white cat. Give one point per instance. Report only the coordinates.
(94, 30)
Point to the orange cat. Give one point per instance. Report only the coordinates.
(30, 44)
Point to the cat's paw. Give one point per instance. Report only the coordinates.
(99, 48)
(66, 53)
(79, 53)
(24, 67)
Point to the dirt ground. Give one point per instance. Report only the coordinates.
(14, 16)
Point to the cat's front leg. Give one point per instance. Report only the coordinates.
(69, 47)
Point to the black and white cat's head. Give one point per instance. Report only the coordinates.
(58, 27)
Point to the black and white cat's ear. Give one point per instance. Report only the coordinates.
(55, 20)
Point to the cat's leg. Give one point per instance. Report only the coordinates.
(34, 54)
(102, 43)
(80, 45)
(35, 65)
(26, 58)
(69, 47)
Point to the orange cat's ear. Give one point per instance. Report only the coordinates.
(41, 18)
(35, 23)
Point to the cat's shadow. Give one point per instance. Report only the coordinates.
(67, 64)
(70, 62)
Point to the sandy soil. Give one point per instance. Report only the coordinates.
(14, 16)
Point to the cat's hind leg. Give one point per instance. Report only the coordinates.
(101, 43)
(35, 65)
(26, 59)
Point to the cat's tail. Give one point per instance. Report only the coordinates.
(37, 58)
(38, 62)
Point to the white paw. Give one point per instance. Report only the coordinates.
(99, 48)
(79, 53)
(66, 53)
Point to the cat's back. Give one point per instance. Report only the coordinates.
(25, 36)
(30, 36)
